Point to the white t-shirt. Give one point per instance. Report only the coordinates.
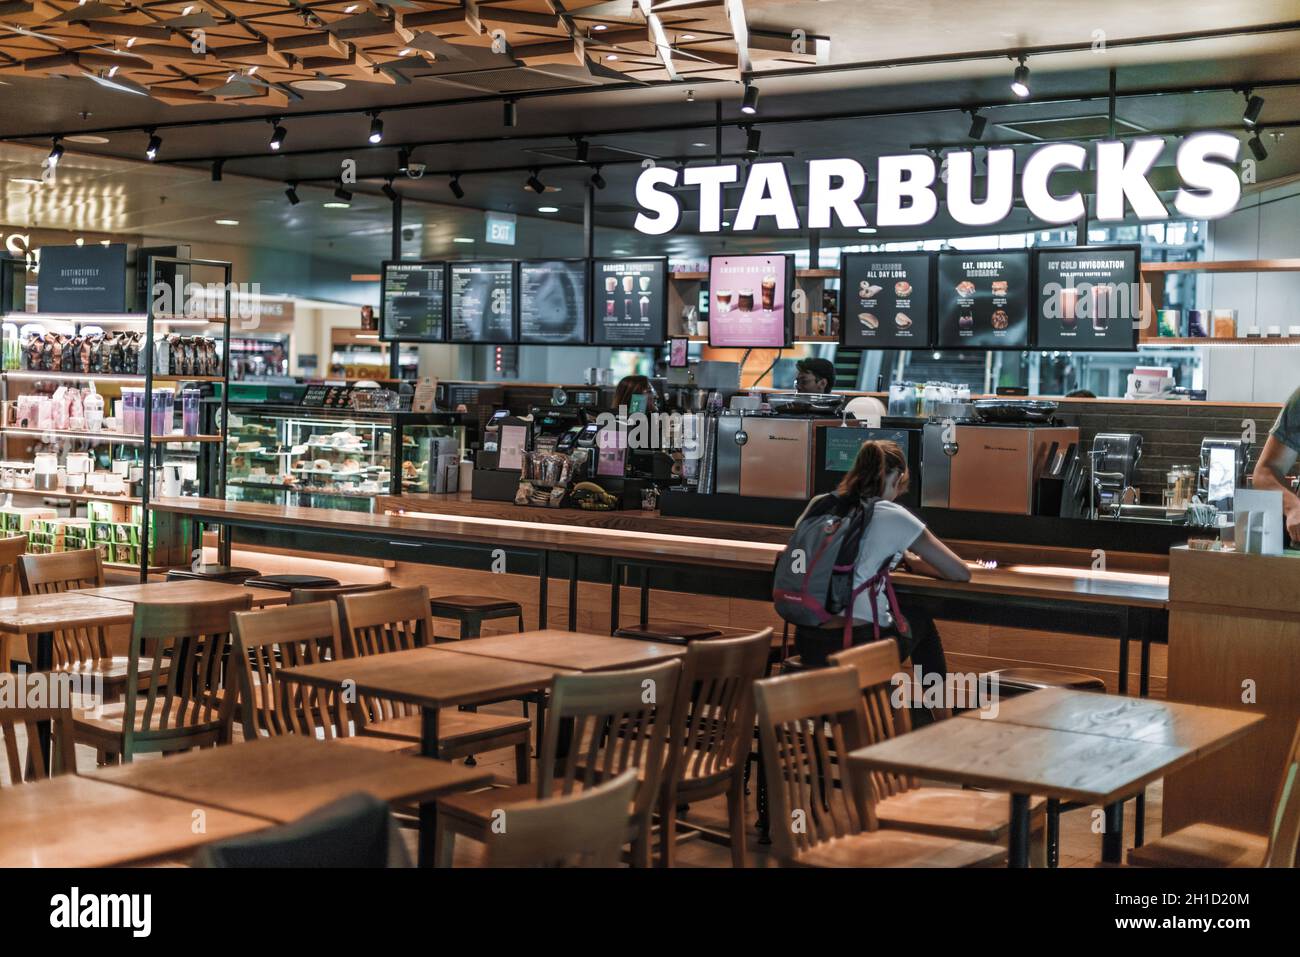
(892, 531)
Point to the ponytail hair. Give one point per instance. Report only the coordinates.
(875, 460)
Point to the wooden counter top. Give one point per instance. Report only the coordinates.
(559, 534)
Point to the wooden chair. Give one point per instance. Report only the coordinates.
(83, 650)
(398, 619)
(10, 550)
(803, 718)
(620, 720)
(180, 706)
(585, 829)
(31, 766)
(713, 721)
(1212, 845)
(301, 596)
(901, 802)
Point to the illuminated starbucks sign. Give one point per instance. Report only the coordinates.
(906, 195)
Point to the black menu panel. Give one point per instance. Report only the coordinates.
(1088, 298)
(630, 302)
(414, 302)
(553, 301)
(482, 298)
(983, 300)
(886, 300)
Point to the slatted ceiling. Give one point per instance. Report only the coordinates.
(516, 80)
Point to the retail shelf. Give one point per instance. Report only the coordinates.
(31, 375)
(110, 318)
(72, 496)
(107, 436)
(1157, 342)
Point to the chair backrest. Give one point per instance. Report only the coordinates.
(620, 720)
(375, 623)
(1284, 835)
(31, 766)
(10, 551)
(264, 642)
(587, 829)
(713, 717)
(805, 720)
(178, 704)
(876, 665)
(354, 831)
(57, 572)
(302, 596)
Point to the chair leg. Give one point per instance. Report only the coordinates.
(641, 844)
(444, 844)
(736, 819)
(522, 775)
(667, 832)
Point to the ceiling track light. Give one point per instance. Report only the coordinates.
(292, 194)
(376, 129)
(583, 148)
(509, 114)
(217, 166)
(597, 180)
(1254, 106)
(388, 190)
(535, 184)
(977, 125)
(753, 138)
(403, 159)
(1257, 147)
(342, 194)
(456, 189)
(278, 133)
(153, 146)
(56, 151)
(1020, 79)
(749, 105)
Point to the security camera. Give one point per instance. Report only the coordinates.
(415, 170)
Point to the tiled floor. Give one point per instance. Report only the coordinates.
(1080, 844)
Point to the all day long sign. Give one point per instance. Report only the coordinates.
(906, 195)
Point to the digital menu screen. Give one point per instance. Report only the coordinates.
(630, 302)
(414, 302)
(1088, 298)
(748, 305)
(482, 301)
(553, 302)
(983, 300)
(886, 300)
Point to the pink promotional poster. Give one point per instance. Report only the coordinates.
(747, 301)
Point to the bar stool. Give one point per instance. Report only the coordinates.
(669, 632)
(232, 574)
(472, 610)
(290, 583)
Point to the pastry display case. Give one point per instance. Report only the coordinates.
(339, 458)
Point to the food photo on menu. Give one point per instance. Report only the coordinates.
(983, 300)
(630, 302)
(747, 301)
(887, 299)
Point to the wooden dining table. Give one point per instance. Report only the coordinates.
(76, 821)
(187, 591)
(1095, 749)
(568, 650)
(430, 679)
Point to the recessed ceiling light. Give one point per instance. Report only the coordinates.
(319, 86)
(227, 222)
(611, 56)
(85, 138)
(548, 209)
(866, 229)
(405, 51)
(725, 223)
(350, 8)
(600, 26)
(336, 204)
(462, 239)
(81, 241)
(688, 36)
(620, 252)
(700, 145)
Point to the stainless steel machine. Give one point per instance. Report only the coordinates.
(1224, 465)
(765, 455)
(1113, 465)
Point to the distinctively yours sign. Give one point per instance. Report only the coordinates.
(906, 196)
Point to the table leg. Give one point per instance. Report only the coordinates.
(543, 583)
(1053, 832)
(645, 596)
(573, 592)
(429, 809)
(1018, 835)
(1144, 676)
(1123, 652)
(1112, 840)
(615, 590)
(1140, 818)
(42, 655)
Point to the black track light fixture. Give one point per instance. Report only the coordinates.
(1020, 79)
(1254, 106)
(403, 159)
(388, 190)
(582, 147)
(509, 114)
(535, 184)
(376, 129)
(218, 165)
(977, 125)
(154, 145)
(1257, 147)
(597, 180)
(342, 194)
(56, 151)
(749, 105)
(278, 133)
(753, 139)
(456, 189)
(292, 194)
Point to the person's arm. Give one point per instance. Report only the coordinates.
(1270, 473)
(929, 556)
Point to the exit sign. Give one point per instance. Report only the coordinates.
(501, 228)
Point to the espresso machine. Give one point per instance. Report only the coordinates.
(1113, 463)
(1223, 468)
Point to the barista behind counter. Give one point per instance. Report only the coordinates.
(1278, 458)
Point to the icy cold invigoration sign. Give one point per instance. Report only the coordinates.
(906, 195)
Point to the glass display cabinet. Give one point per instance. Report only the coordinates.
(339, 458)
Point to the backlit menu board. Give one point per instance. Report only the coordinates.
(983, 300)
(886, 300)
(748, 305)
(414, 302)
(629, 301)
(482, 302)
(553, 302)
(1088, 298)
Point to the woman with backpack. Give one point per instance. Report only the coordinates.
(879, 476)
